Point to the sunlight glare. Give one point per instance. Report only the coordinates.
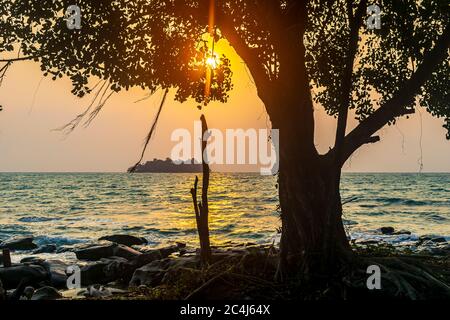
(213, 62)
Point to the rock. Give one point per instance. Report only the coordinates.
(32, 260)
(95, 253)
(57, 270)
(366, 242)
(402, 232)
(147, 257)
(106, 270)
(28, 292)
(439, 240)
(125, 239)
(387, 230)
(24, 273)
(425, 237)
(167, 251)
(430, 240)
(151, 274)
(65, 248)
(19, 243)
(46, 293)
(48, 248)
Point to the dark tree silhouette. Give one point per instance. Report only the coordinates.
(297, 52)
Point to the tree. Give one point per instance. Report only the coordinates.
(298, 53)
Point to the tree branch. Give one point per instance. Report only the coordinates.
(18, 59)
(396, 106)
(355, 22)
(247, 54)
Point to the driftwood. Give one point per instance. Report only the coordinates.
(201, 208)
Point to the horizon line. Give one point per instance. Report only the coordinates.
(212, 171)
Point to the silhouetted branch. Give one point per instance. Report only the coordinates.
(152, 129)
(18, 59)
(355, 22)
(395, 106)
(69, 127)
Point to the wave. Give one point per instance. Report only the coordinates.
(407, 202)
(37, 219)
(59, 241)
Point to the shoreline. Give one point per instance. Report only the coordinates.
(126, 267)
(403, 240)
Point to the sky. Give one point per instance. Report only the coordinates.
(34, 106)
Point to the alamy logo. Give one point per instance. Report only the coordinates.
(230, 148)
(74, 279)
(374, 281)
(374, 20)
(73, 17)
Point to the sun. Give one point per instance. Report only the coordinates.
(213, 61)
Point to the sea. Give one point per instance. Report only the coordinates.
(69, 209)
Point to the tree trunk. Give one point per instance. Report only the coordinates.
(313, 238)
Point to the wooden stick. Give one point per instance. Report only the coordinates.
(201, 208)
(204, 207)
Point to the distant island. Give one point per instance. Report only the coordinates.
(168, 166)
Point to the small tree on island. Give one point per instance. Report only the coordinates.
(298, 53)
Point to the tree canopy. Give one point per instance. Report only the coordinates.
(161, 44)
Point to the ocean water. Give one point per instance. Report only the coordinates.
(67, 209)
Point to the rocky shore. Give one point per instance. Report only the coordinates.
(113, 265)
(124, 266)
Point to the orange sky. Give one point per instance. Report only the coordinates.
(33, 106)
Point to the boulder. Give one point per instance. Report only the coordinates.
(46, 293)
(57, 270)
(116, 268)
(149, 256)
(125, 239)
(19, 243)
(151, 274)
(387, 230)
(28, 274)
(106, 270)
(48, 248)
(28, 292)
(95, 253)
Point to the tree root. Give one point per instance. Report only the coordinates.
(411, 278)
